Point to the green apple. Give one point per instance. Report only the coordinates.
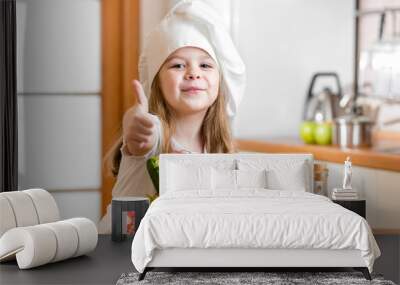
(323, 133)
(307, 129)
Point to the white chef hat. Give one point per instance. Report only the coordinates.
(194, 23)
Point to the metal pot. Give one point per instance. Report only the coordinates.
(352, 131)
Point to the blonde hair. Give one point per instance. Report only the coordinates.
(215, 131)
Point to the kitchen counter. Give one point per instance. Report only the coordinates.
(384, 154)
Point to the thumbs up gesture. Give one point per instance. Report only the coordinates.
(141, 99)
(138, 128)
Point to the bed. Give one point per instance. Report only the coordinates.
(247, 210)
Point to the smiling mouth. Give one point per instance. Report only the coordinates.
(192, 90)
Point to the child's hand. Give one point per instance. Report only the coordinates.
(137, 124)
(142, 102)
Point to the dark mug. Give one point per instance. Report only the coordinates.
(126, 214)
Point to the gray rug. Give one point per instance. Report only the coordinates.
(229, 278)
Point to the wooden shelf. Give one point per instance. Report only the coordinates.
(373, 157)
(386, 231)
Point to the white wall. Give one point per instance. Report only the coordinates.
(283, 43)
(59, 119)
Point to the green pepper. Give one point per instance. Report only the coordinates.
(152, 197)
(153, 170)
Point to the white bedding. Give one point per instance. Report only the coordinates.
(250, 218)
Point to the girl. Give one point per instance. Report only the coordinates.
(194, 78)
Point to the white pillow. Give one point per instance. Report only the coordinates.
(294, 180)
(282, 174)
(224, 179)
(182, 177)
(229, 179)
(251, 178)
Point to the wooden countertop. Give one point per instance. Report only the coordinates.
(373, 157)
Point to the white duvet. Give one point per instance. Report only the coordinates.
(251, 218)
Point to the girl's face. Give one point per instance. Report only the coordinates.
(189, 80)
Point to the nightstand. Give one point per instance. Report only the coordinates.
(357, 206)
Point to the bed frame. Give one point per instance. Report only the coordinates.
(248, 259)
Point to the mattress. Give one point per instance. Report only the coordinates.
(250, 219)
